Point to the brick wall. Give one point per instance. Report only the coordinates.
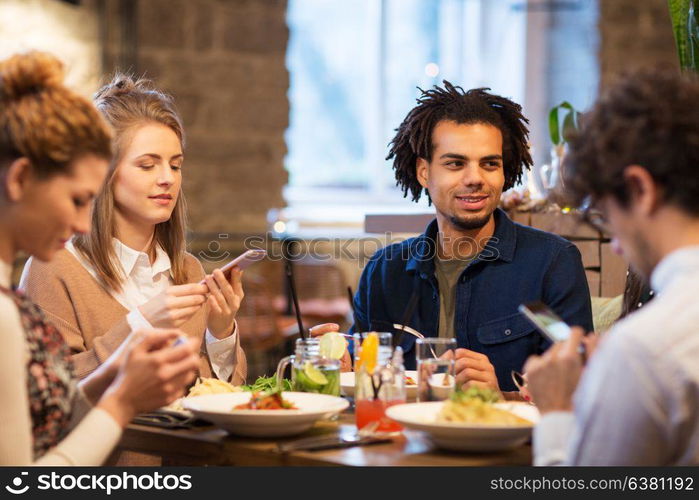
(224, 62)
(634, 33)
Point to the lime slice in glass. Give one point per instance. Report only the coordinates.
(314, 374)
(332, 345)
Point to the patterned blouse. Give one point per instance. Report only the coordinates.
(50, 380)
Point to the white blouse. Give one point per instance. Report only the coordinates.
(94, 432)
(143, 282)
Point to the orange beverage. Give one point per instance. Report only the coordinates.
(371, 410)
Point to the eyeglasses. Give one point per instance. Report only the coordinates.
(593, 216)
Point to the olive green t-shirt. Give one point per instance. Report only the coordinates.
(448, 273)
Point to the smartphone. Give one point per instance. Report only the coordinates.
(242, 261)
(180, 340)
(547, 321)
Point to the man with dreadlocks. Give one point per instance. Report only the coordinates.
(467, 274)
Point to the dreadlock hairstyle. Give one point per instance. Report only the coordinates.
(413, 138)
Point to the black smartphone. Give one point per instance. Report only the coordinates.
(547, 321)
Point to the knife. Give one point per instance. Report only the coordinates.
(330, 442)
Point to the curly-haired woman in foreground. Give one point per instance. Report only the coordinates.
(54, 153)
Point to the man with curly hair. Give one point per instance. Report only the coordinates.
(634, 165)
(467, 274)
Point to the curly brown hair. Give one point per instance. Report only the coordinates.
(42, 120)
(413, 137)
(648, 117)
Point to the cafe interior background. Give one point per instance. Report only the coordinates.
(289, 106)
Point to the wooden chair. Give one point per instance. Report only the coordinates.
(263, 330)
(322, 293)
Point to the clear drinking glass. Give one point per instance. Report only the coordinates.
(378, 388)
(310, 372)
(435, 368)
(385, 348)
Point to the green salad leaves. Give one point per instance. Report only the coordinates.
(484, 394)
(263, 384)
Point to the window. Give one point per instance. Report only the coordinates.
(355, 68)
(70, 33)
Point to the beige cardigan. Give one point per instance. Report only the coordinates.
(92, 322)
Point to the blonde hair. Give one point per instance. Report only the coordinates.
(42, 120)
(127, 104)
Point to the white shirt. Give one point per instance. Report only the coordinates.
(94, 432)
(637, 402)
(143, 282)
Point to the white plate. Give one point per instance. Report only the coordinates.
(347, 384)
(175, 409)
(466, 437)
(218, 409)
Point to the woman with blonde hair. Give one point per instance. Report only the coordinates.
(132, 270)
(54, 152)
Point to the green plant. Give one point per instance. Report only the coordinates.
(683, 14)
(560, 130)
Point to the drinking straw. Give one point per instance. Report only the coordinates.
(294, 297)
(406, 316)
(350, 296)
(376, 388)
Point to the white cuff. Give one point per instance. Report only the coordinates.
(137, 320)
(90, 443)
(222, 353)
(81, 407)
(551, 438)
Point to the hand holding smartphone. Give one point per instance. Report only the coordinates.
(243, 261)
(548, 323)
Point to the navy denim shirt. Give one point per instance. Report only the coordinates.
(519, 264)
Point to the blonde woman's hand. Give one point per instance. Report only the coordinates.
(154, 373)
(175, 306)
(224, 301)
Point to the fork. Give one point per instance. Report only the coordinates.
(415, 333)
(163, 420)
(409, 330)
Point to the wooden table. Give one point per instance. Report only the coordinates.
(211, 446)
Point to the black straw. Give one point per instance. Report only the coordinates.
(350, 296)
(294, 297)
(406, 316)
